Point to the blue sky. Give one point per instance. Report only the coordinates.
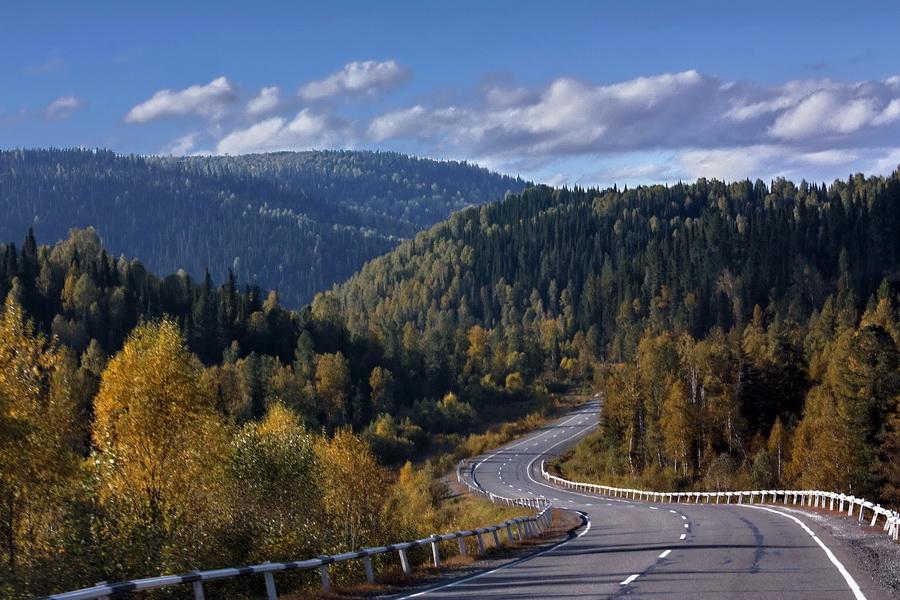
(563, 92)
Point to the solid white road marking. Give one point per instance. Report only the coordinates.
(851, 583)
(509, 564)
(665, 554)
(630, 579)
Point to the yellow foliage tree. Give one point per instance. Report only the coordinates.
(332, 385)
(352, 489)
(677, 425)
(161, 451)
(412, 505)
(38, 461)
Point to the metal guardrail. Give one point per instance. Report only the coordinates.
(515, 529)
(814, 498)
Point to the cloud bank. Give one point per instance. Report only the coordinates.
(657, 127)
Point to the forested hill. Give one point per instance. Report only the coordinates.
(746, 336)
(608, 263)
(296, 222)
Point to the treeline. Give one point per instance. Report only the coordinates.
(315, 217)
(756, 288)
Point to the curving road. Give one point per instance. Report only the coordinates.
(641, 549)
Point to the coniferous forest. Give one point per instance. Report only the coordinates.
(321, 214)
(743, 333)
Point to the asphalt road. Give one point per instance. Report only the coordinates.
(642, 549)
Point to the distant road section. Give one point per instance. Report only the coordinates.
(641, 549)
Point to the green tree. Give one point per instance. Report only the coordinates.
(274, 474)
(381, 386)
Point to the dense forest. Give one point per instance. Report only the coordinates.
(744, 334)
(154, 425)
(736, 328)
(295, 222)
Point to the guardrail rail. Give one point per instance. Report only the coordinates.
(516, 529)
(813, 498)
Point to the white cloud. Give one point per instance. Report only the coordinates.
(209, 101)
(62, 108)
(828, 157)
(183, 145)
(806, 118)
(726, 163)
(358, 77)
(890, 113)
(413, 121)
(256, 138)
(306, 130)
(264, 102)
(885, 164)
(828, 112)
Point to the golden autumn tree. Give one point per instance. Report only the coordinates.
(161, 452)
(38, 461)
(332, 386)
(677, 424)
(412, 505)
(353, 486)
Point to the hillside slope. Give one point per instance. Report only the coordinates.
(296, 222)
(609, 262)
(744, 334)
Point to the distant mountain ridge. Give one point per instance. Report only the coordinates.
(298, 222)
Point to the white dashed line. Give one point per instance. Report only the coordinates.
(671, 511)
(630, 579)
(665, 554)
(683, 535)
(653, 508)
(686, 526)
(684, 517)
